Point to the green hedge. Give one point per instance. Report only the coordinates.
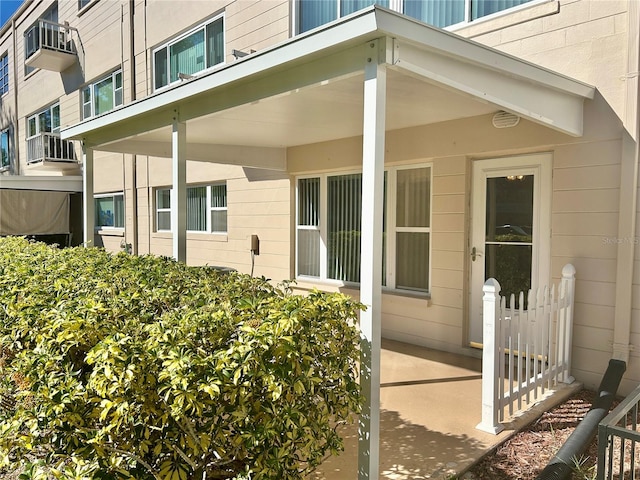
(120, 366)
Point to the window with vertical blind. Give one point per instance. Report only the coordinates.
(328, 227)
(440, 13)
(206, 209)
(193, 52)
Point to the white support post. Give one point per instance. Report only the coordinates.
(89, 209)
(375, 86)
(490, 360)
(179, 190)
(568, 287)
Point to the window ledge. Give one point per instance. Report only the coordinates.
(213, 237)
(406, 293)
(110, 232)
(32, 73)
(329, 286)
(86, 8)
(508, 18)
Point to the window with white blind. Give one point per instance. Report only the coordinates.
(206, 209)
(191, 53)
(440, 13)
(328, 227)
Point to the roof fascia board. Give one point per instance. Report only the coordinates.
(268, 158)
(535, 101)
(69, 183)
(469, 51)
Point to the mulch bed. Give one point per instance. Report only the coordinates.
(528, 452)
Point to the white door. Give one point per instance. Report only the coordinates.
(510, 228)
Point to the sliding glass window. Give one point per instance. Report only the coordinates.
(189, 54)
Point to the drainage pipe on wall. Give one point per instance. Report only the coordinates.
(561, 465)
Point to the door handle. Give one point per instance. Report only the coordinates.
(475, 253)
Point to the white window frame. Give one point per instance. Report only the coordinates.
(167, 45)
(36, 117)
(112, 195)
(389, 282)
(208, 208)
(398, 6)
(84, 5)
(7, 132)
(159, 210)
(92, 94)
(4, 73)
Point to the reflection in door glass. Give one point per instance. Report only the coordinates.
(511, 266)
(509, 233)
(510, 209)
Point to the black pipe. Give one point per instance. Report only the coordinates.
(561, 465)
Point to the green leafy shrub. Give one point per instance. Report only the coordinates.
(118, 366)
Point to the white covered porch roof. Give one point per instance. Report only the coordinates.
(368, 73)
(310, 89)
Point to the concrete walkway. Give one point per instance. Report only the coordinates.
(430, 407)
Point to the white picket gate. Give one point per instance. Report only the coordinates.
(526, 351)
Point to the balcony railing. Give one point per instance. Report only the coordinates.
(50, 46)
(49, 147)
(619, 441)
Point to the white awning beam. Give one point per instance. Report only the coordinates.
(269, 158)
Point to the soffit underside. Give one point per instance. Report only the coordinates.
(328, 111)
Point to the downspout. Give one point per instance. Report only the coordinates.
(134, 162)
(562, 464)
(628, 193)
(16, 128)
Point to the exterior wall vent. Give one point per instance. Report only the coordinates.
(504, 119)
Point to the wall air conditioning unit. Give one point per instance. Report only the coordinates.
(31, 41)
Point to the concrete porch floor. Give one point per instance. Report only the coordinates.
(430, 406)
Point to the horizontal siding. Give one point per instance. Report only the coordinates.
(598, 224)
(253, 26)
(585, 40)
(581, 246)
(593, 315)
(595, 293)
(581, 201)
(580, 178)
